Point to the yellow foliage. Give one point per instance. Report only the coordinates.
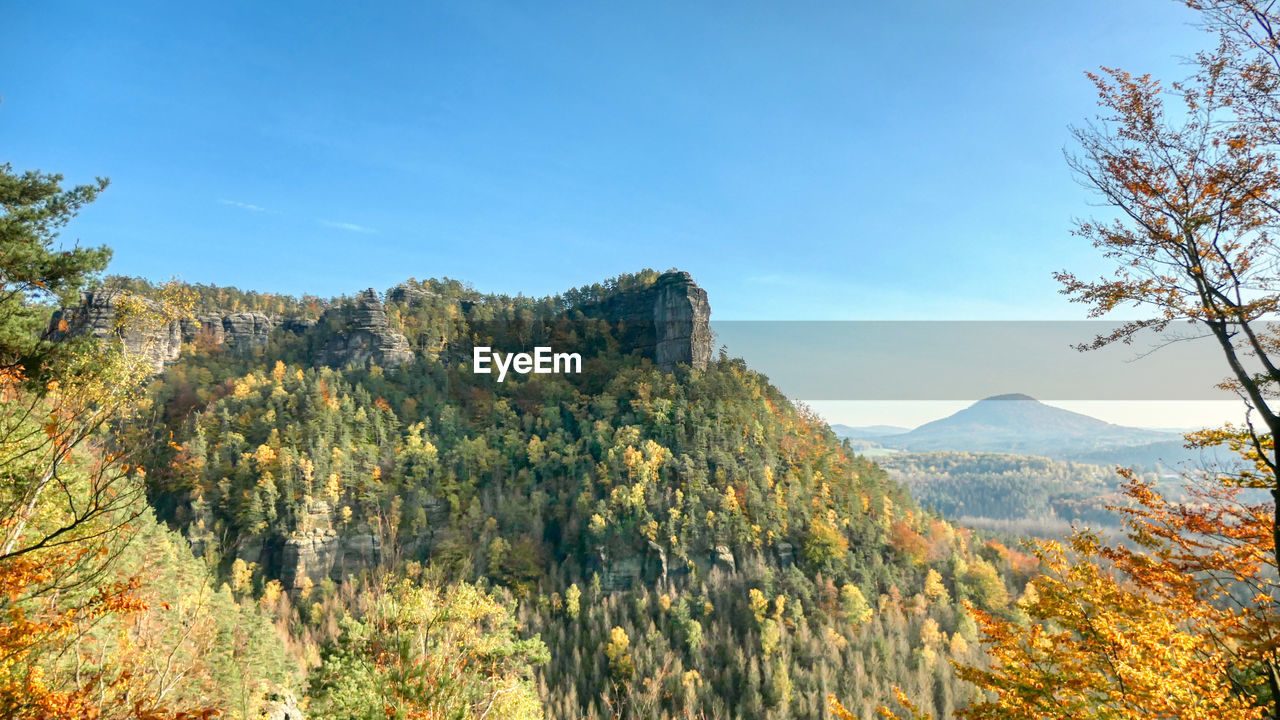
(616, 649)
(758, 603)
(265, 455)
(730, 502)
(242, 574)
(1098, 648)
(930, 635)
(597, 524)
(333, 488)
(933, 587)
(271, 593)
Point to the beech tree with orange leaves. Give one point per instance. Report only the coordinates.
(1196, 193)
(1181, 622)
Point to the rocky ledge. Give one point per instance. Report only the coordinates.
(669, 322)
(96, 316)
(366, 337)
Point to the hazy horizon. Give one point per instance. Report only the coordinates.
(893, 162)
(1172, 416)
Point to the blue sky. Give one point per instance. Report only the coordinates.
(803, 160)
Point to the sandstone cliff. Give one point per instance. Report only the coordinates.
(669, 322)
(247, 330)
(96, 316)
(363, 333)
(682, 319)
(365, 337)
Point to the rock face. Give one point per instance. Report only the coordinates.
(408, 294)
(669, 322)
(96, 316)
(297, 325)
(206, 327)
(310, 556)
(315, 551)
(282, 705)
(621, 574)
(786, 553)
(682, 318)
(359, 551)
(646, 567)
(366, 338)
(722, 559)
(245, 331)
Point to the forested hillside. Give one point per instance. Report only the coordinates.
(684, 542)
(221, 503)
(1020, 494)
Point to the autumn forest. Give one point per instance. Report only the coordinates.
(223, 503)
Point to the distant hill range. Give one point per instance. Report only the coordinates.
(868, 431)
(1021, 425)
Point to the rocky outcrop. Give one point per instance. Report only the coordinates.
(315, 551)
(621, 574)
(669, 322)
(309, 556)
(312, 550)
(408, 294)
(96, 315)
(204, 327)
(682, 317)
(786, 553)
(297, 325)
(366, 337)
(242, 331)
(245, 331)
(722, 559)
(281, 705)
(648, 567)
(360, 551)
(252, 550)
(201, 538)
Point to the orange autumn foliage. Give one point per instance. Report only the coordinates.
(1179, 623)
(35, 622)
(913, 711)
(68, 502)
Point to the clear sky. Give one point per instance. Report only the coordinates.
(803, 160)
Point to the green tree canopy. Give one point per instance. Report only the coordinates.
(33, 272)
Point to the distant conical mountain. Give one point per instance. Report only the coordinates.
(1020, 424)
